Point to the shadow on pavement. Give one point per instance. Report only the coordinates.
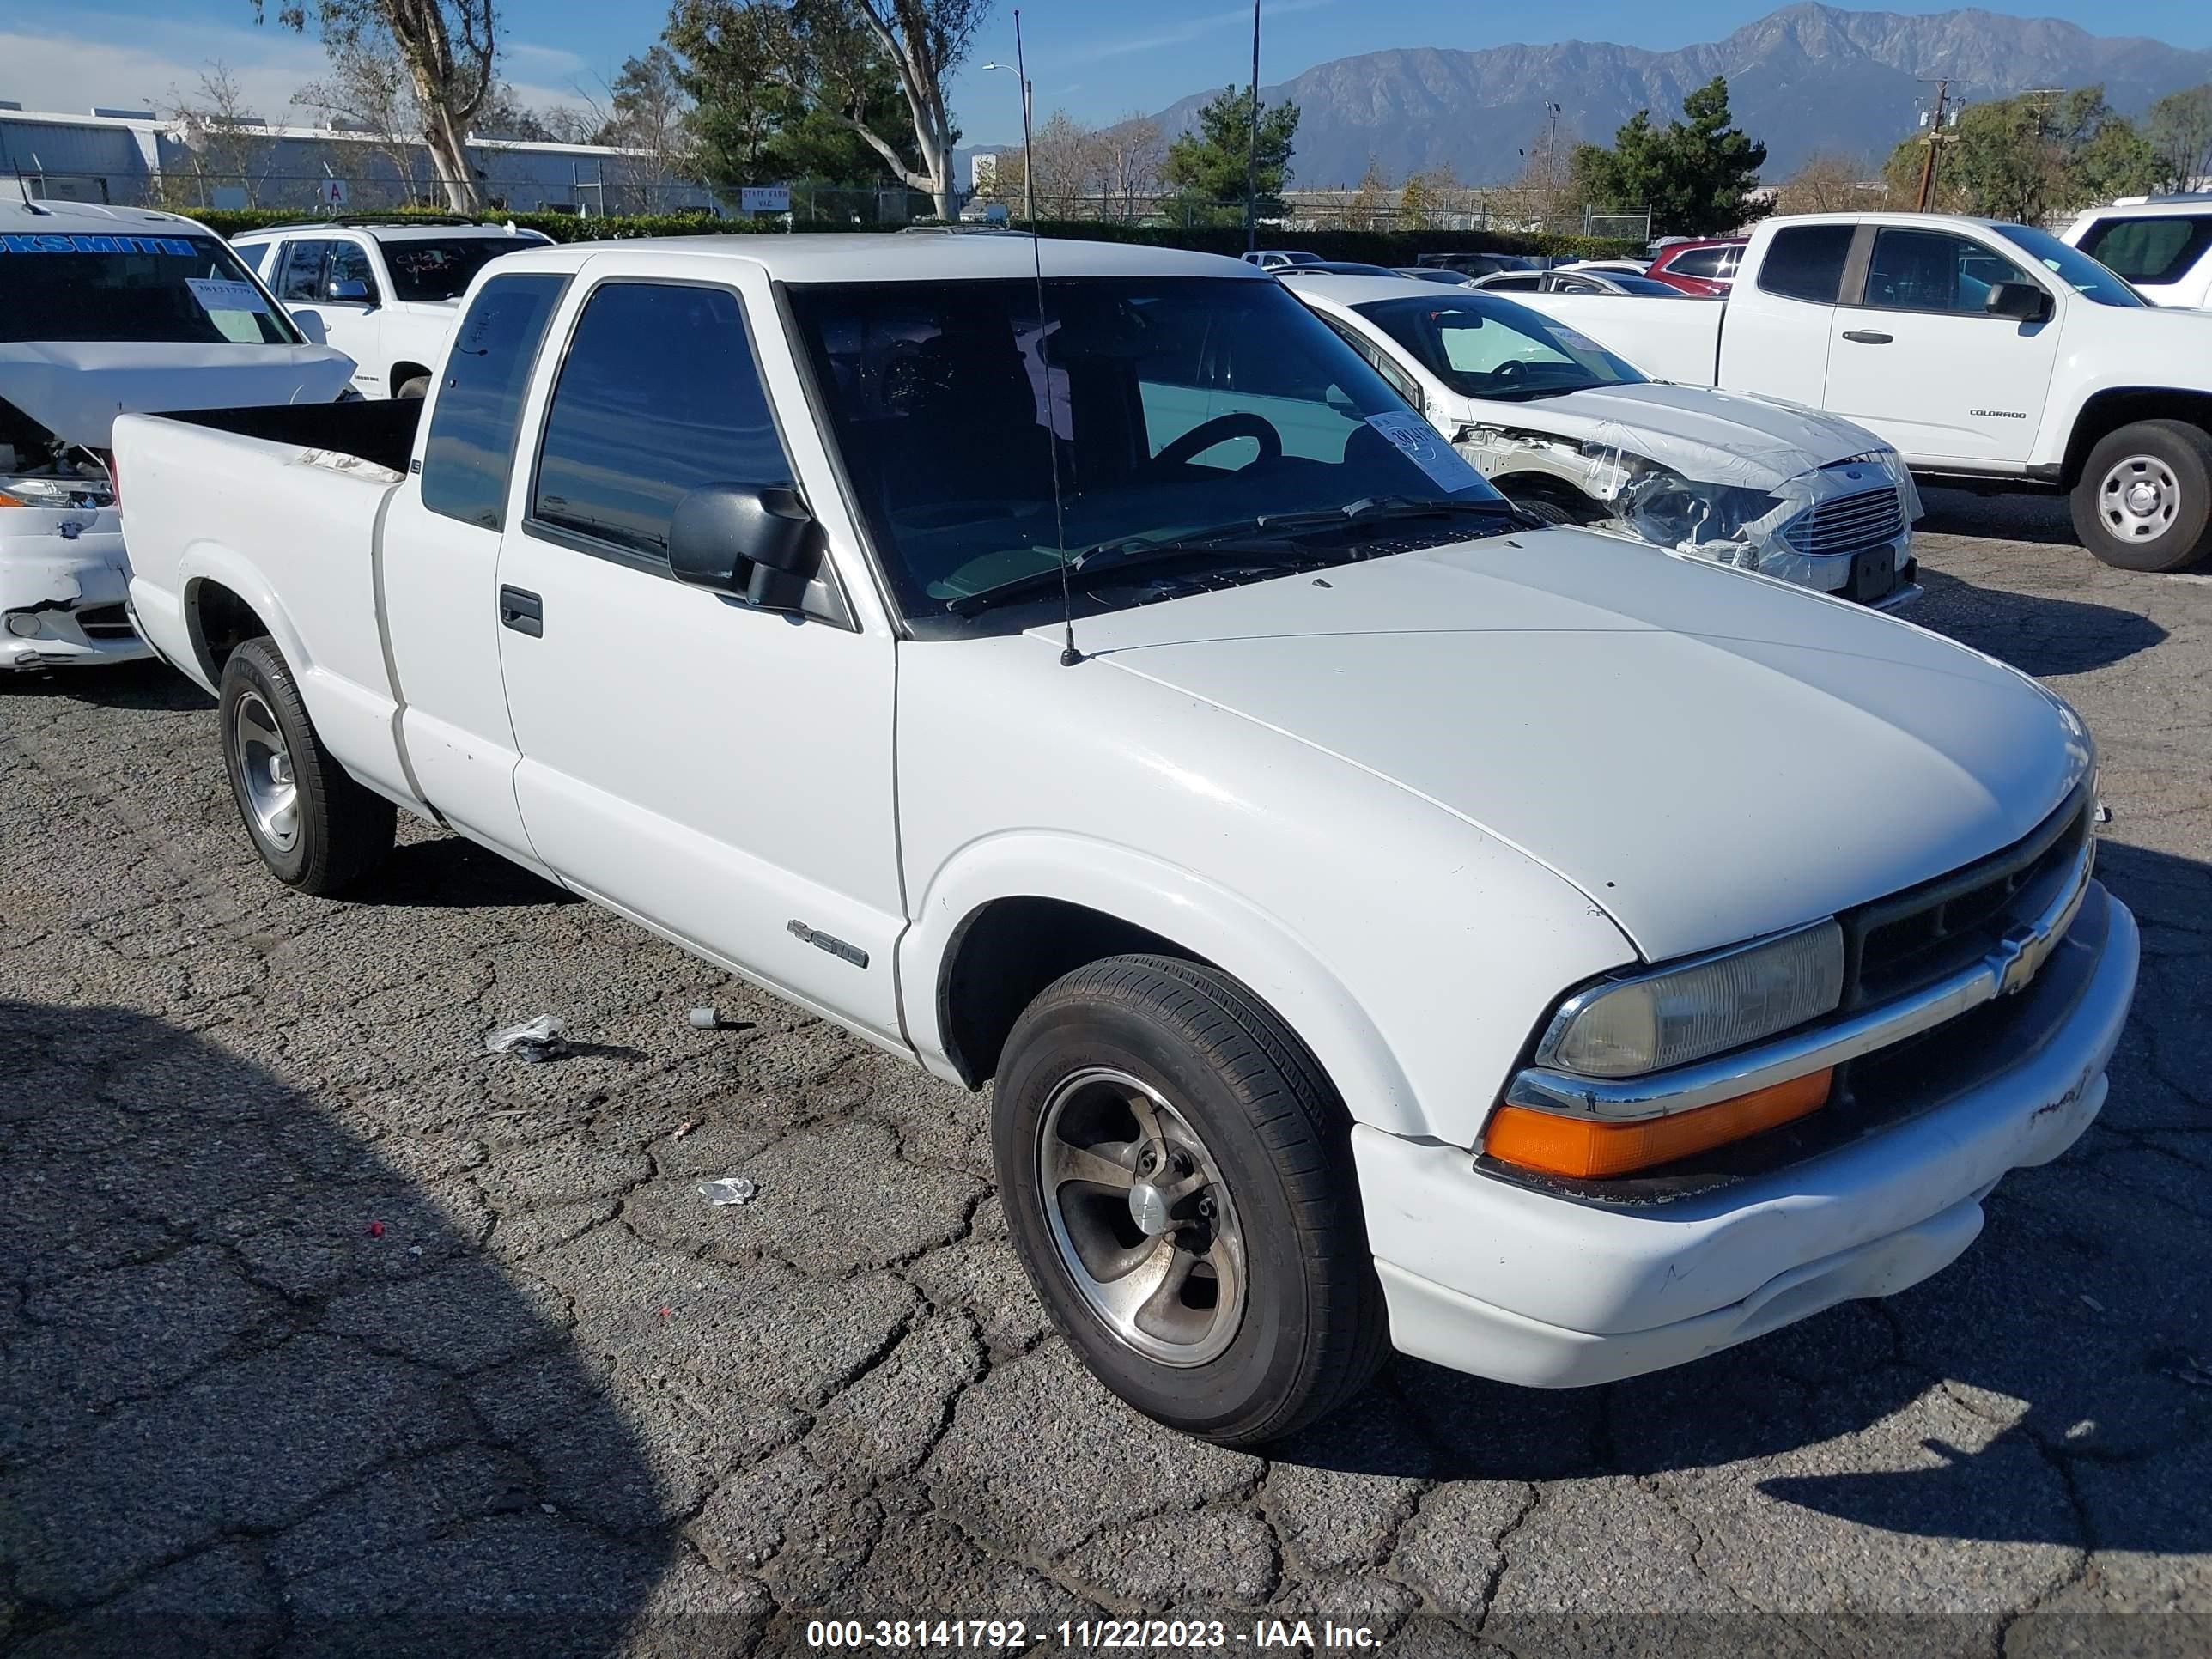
(131, 685)
(2026, 516)
(265, 1394)
(2039, 636)
(450, 872)
(2054, 1385)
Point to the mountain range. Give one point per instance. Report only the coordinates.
(1806, 80)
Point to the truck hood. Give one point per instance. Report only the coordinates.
(1708, 756)
(75, 389)
(1712, 437)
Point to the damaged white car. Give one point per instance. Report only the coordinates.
(105, 311)
(1578, 436)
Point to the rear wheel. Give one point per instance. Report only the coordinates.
(1178, 1179)
(417, 387)
(2144, 500)
(315, 828)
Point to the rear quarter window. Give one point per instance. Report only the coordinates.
(469, 454)
(1806, 262)
(2161, 248)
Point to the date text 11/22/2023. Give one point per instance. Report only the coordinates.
(1071, 1635)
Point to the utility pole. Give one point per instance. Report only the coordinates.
(1551, 158)
(1252, 153)
(1935, 139)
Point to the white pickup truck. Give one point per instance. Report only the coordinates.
(1384, 919)
(1989, 353)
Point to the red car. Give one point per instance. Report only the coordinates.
(1702, 268)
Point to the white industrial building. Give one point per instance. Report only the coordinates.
(135, 157)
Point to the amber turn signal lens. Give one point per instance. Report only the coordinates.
(1589, 1149)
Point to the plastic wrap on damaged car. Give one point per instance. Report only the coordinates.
(1749, 495)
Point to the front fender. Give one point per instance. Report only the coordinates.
(1210, 921)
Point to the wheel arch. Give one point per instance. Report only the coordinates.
(1014, 913)
(2106, 412)
(402, 372)
(225, 604)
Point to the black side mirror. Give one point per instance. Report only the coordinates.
(756, 543)
(2024, 302)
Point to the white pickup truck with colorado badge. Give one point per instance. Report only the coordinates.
(1991, 354)
(1384, 920)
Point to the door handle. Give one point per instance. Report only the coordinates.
(522, 611)
(1868, 337)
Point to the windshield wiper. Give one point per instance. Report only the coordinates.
(1271, 536)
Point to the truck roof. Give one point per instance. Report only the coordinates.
(1880, 216)
(50, 218)
(839, 257)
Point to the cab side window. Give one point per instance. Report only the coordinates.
(1934, 270)
(660, 394)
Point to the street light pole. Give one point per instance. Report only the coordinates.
(1029, 154)
(1029, 92)
(1252, 153)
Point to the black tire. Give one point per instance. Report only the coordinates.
(418, 387)
(1312, 1327)
(339, 831)
(2170, 463)
(1537, 507)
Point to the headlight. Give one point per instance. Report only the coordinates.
(1661, 1020)
(81, 493)
(1666, 508)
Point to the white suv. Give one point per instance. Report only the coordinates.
(2161, 244)
(386, 292)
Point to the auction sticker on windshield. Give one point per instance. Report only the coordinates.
(215, 295)
(1420, 443)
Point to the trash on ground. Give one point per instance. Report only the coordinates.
(729, 1189)
(685, 1128)
(376, 1230)
(705, 1019)
(2192, 1371)
(2091, 1303)
(533, 1041)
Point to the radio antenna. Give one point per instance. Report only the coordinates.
(1069, 656)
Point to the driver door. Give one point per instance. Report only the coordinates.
(1918, 358)
(721, 774)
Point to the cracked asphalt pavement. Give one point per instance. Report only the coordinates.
(326, 1332)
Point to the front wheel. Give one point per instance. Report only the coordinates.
(2144, 500)
(414, 389)
(1177, 1174)
(315, 828)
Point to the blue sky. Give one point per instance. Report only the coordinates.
(1096, 58)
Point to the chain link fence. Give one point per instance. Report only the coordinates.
(1504, 208)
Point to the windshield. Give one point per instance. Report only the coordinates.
(1484, 347)
(2072, 267)
(175, 290)
(442, 268)
(1169, 406)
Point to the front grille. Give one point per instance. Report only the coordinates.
(1901, 944)
(1849, 524)
(104, 622)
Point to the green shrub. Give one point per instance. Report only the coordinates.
(1377, 247)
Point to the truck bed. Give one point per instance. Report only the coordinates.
(381, 431)
(268, 502)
